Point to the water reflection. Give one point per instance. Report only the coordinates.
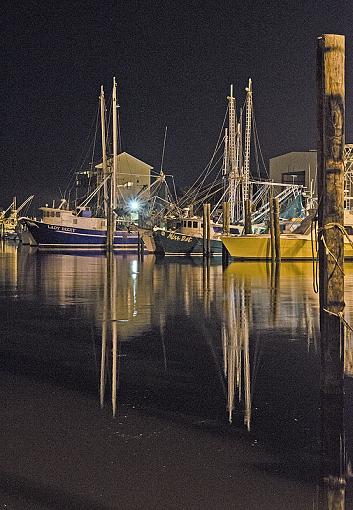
(187, 339)
(235, 342)
(293, 308)
(110, 344)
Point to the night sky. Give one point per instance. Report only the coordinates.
(174, 62)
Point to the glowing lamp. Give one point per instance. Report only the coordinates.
(134, 206)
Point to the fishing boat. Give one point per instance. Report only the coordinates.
(9, 220)
(187, 238)
(301, 244)
(80, 228)
(185, 234)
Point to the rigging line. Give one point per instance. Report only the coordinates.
(109, 122)
(259, 146)
(255, 146)
(94, 143)
(72, 171)
(218, 144)
(191, 195)
(120, 141)
(165, 137)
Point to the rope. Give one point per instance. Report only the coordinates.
(340, 315)
(315, 259)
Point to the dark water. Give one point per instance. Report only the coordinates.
(213, 377)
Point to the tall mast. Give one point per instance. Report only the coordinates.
(115, 145)
(233, 170)
(248, 113)
(104, 150)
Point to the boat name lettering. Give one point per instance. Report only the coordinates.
(175, 237)
(62, 229)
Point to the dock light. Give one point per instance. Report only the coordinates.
(134, 205)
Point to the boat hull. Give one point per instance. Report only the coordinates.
(258, 247)
(171, 243)
(59, 237)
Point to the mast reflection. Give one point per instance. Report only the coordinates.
(109, 333)
(235, 343)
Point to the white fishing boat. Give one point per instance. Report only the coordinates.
(63, 228)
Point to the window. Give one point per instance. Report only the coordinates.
(74, 221)
(295, 177)
(190, 224)
(57, 214)
(52, 214)
(194, 224)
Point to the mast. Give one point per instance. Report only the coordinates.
(248, 112)
(115, 146)
(104, 149)
(233, 169)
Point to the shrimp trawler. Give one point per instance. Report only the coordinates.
(301, 244)
(87, 226)
(9, 219)
(232, 184)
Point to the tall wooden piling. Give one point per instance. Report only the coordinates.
(226, 218)
(331, 127)
(272, 232)
(226, 230)
(207, 229)
(247, 217)
(277, 229)
(331, 105)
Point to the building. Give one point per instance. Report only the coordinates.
(133, 175)
(301, 168)
(295, 168)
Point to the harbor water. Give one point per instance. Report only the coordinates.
(134, 382)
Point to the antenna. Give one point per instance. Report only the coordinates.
(165, 137)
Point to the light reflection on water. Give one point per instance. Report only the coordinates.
(239, 345)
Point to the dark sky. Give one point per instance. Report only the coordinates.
(174, 62)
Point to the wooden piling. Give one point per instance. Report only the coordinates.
(226, 231)
(331, 127)
(277, 229)
(207, 230)
(226, 218)
(331, 106)
(247, 217)
(272, 232)
(110, 219)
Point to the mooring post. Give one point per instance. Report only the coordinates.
(277, 229)
(110, 219)
(247, 217)
(331, 127)
(226, 230)
(207, 230)
(272, 232)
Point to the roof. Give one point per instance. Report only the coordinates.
(129, 162)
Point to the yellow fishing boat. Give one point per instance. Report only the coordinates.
(299, 245)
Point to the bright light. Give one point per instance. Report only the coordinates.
(134, 205)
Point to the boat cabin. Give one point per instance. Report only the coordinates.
(79, 219)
